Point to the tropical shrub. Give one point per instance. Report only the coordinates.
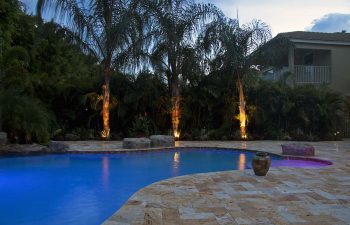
(301, 113)
(24, 119)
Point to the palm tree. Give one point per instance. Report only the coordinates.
(106, 29)
(173, 28)
(233, 46)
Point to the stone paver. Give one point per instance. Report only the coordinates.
(284, 196)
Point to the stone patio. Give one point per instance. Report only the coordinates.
(284, 196)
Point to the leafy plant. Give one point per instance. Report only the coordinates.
(25, 119)
(142, 126)
(301, 113)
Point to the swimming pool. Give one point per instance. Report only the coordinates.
(89, 188)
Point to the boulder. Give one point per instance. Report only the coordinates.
(162, 141)
(56, 146)
(136, 143)
(3, 138)
(298, 149)
(23, 149)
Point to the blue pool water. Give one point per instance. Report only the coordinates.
(89, 188)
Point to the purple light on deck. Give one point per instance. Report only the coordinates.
(301, 163)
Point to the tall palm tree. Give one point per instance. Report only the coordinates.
(230, 47)
(105, 28)
(174, 25)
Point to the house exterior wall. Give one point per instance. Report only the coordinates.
(322, 58)
(340, 65)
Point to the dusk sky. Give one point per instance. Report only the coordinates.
(283, 16)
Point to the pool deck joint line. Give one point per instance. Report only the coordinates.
(285, 196)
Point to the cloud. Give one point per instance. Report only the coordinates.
(333, 22)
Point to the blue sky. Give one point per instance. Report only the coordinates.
(283, 16)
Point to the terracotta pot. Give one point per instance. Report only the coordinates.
(261, 163)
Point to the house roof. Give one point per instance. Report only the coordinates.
(275, 51)
(317, 37)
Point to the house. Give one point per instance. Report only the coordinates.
(321, 59)
(310, 58)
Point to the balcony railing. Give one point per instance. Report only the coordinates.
(312, 74)
(275, 75)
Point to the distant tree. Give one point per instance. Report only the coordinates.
(22, 115)
(9, 14)
(106, 29)
(62, 75)
(232, 46)
(174, 25)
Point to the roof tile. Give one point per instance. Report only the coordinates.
(317, 36)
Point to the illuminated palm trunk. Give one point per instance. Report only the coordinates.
(175, 110)
(105, 112)
(175, 116)
(105, 133)
(242, 116)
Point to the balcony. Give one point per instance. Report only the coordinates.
(303, 74)
(312, 74)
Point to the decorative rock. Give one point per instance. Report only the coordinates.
(162, 141)
(298, 149)
(56, 146)
(3, 138)
(23, 149)
(136, 143)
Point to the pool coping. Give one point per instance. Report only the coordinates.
(125, 212)
(292, 157)
(125, 150)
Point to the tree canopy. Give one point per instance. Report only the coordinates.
(147, 53)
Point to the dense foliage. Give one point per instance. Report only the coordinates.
(47, 86)
(299, 113)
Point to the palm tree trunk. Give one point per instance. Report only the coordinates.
(105, 104)
(242, 116)
(175, 103)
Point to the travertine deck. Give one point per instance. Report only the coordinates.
(285, 196)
